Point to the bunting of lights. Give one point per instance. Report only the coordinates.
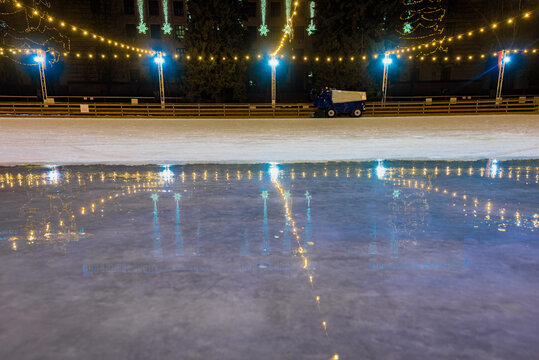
(289, 23)
(25, 28)
(142, 27)
(312, 27)
(167, 28)
(45, 17)
(422, 20)
(263, 29)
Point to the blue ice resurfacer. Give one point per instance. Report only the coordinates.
(335, 102)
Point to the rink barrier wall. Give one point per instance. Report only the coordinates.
(405, 108)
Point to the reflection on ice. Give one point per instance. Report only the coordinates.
(315, 253)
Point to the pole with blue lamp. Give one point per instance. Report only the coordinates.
(273, 63)
(159, 60)
(386, 61)
(503, 59)
(40, 60)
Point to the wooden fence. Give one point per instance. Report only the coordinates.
(518, 105)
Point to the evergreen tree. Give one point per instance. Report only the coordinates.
(215, 29)
(351, 29)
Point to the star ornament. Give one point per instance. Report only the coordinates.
(264, 194)
(167, 29)
(263, 30)
(177, 196)
(407, 28)
(142, 28)
(287, 29)
(155, 197)
(396, 194)
(311, 29)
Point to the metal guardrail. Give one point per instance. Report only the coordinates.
(520, 105)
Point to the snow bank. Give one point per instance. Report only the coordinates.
(143, 141)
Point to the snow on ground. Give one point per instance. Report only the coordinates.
(64, 141)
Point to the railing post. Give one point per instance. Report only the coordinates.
(198, 110)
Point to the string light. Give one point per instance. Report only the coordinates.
(76, 29)
(288, 29)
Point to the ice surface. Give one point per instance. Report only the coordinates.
(431, 261)
(143, 141)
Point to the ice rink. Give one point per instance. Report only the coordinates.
(142, 141)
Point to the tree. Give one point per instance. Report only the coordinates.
(351, 29)
(214, 40)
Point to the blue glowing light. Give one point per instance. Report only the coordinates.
(493, 168)
(506, 59)
(274, 62)
(380, 170)
(274, 171)
(167, 175)
(387, 61)
(39, 59)
(53, 175)
(159, 60)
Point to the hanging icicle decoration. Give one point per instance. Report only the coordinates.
(142, 27)
(287, 29)
(263, 29)
(167, 29)
(312, 27)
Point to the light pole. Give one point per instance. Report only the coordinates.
(40, 60)
(386, 61)
(502, 60)
(273, 63)
(159, 60)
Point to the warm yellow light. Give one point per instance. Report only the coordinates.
(328, 59)
(247, 57)
(494, 26)
(410, 57)
(85, 32)
(115, 56)
(450, 39)
(458, 58)
(62, 24)
(470, 33)
(78, 55)
(50, 19)
(18, 5)
(340, 59)
(316, 59)
(352, 58)
(102, 56)
(434, 58)
(176, 56)
(259, 56)
(510, 21)
(90, 56)
(293, 57)
(446, 58)
(481, 30)
(470, 57)
(305, 58)
(200, 58)
(459, 37)
(211, 58)
(526, 15)
(364, 58)
(109, 41)
(422, 58)
(35, 12)
(235, 58)
(74, 28)
(482, 56)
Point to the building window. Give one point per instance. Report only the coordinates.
(130, 31)
(181, 51)
(153, 7)
(178, 8)
(129, 7)
(179, 31)
(275, 9)
(155, 31)
(251, 9)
